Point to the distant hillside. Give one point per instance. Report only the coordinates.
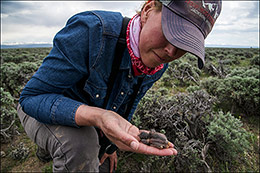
(25, 46)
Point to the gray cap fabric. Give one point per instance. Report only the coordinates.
(186, 24)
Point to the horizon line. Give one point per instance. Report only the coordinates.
(32, 45)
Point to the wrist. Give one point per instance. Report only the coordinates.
(111, 149)
(89, 116)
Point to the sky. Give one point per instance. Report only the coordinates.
(27, 22)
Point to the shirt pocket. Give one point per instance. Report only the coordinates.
(96, 90)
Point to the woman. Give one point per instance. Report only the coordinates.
(61, 107)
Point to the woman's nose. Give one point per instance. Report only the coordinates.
(170, 50)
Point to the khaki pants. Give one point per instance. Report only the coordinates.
(72, 149)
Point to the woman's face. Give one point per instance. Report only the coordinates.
(154, 48)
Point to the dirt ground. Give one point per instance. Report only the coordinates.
(30, 164)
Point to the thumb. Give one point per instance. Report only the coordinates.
(130, 141)
(134, 145)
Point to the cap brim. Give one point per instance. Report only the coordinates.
(183, 34)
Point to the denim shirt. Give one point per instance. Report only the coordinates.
(77, 69)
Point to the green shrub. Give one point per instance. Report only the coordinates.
(14, 76)
(193, 88)
(239, 91)
(191, 59)
(167, 81)
(230, 139)
(8, 116)
(255, 60)
(211, 84)
(183, 73)
(242, 92)
(20, 152)
(245, 72)
(17, 67)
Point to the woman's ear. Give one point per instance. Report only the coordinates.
(146, 10)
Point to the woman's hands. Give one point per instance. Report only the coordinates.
(112, 160)
(118, 130)
(125, 135)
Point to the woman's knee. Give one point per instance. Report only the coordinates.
(78, 150)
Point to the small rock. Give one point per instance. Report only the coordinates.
(3, 154)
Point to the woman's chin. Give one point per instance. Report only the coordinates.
(150, 64)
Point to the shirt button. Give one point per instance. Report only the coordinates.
(97, 95)
(129, 76)
(114, 107)
(122, 93)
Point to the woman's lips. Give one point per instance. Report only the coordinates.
(159, 59)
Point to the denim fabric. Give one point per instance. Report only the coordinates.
(77, 69)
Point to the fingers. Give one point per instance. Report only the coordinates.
(175, 152)
(126, 137)
(111, 166)
(104, 157)
(145, 149)
(113, 162)
(134, 131)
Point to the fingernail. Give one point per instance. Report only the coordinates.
(175, 152)
(134, 145)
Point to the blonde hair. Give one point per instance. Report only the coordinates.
(158, 6)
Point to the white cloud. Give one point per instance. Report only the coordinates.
(238, 15)
(39, 21)
(250, 39)
(238, 24)
(30, 33)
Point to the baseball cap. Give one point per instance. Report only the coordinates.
(187, 23)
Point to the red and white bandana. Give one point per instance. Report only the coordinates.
(132, 40)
